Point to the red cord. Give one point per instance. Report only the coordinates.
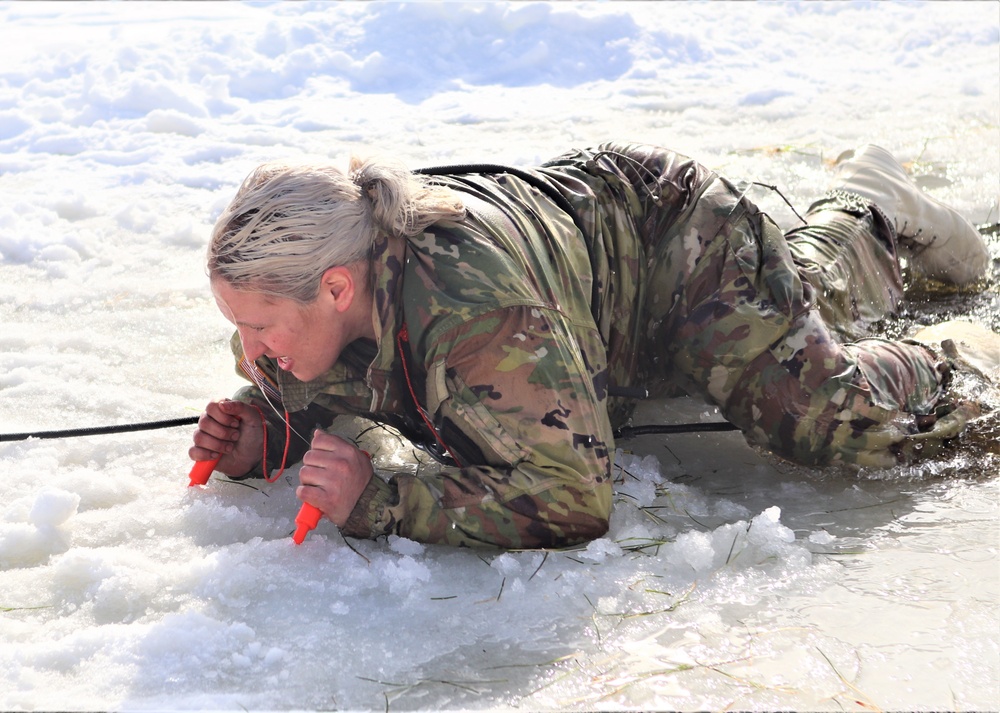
(403, 337)
(288, 440)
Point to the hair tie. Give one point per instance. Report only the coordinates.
(368, 186)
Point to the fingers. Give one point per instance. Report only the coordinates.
(217, 433)
(324, 441)
(331, 457)
(220, 428)
(334, 473)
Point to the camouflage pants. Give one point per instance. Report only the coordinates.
(760, 324)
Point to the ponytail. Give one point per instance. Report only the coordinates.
(289, 223)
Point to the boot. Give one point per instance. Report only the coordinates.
(939, 242)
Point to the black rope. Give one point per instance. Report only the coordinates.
(531, 179)
(659, 429)
(623, 433)
(101, 430)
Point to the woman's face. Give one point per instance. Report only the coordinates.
(305, 340)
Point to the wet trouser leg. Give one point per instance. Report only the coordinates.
(750, 321)
(847, 252)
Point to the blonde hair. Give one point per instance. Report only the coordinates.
(290, 222)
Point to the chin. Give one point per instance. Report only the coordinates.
(308, 375)
(304, 373)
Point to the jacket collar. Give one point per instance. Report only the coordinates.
(388, 263)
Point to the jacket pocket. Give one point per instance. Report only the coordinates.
(449, 397)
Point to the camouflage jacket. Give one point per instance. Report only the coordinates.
(508, 338)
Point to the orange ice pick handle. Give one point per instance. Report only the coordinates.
(307, 519)
(201, 471)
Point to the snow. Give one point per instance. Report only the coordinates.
(728, 580)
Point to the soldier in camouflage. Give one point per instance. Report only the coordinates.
(509, 326)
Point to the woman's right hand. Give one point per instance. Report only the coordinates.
(232, 432)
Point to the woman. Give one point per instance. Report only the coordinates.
(507, 318)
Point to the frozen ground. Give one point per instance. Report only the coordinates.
(728, 580)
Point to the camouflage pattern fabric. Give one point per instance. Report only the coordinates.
(524, 321)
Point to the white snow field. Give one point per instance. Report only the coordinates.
(729, 579)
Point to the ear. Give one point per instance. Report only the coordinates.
(339, 285)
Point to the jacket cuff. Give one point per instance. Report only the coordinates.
(366, 518)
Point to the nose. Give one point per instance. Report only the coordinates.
(253, 348)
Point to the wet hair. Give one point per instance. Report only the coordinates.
(290, 222)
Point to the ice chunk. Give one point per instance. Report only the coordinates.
(599, 550)
(53, 507)
(405, 547)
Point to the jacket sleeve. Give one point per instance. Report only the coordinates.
(514, 397)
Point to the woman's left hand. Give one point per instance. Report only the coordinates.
(334, 473)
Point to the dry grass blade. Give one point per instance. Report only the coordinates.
(240, 482)
(355, 551)
(402, 688)
(867, 703)
(641, 544)
(539, 567)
